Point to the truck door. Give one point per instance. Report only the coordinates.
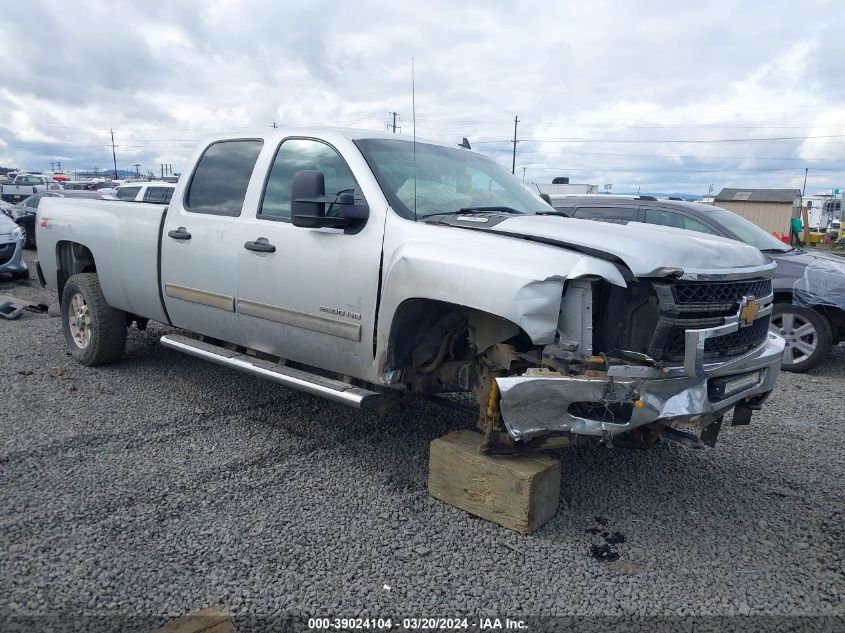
(199, 245)
(308, 294)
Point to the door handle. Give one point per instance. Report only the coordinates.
(179, 234)
(261, 245)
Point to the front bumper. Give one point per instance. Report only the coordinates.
(14, 262)
(540, 403)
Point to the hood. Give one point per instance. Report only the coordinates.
(648, 250)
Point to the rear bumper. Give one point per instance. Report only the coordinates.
(541, 403)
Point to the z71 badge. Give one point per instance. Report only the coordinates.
(341, 312)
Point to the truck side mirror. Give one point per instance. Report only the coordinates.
(309, 203)
(307, 189)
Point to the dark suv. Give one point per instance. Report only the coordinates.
(809, 286)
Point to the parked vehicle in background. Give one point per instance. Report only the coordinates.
(27, 184)
(811, 320)
(355, 265)
(24, 213)
(11, 249)
(6, 209)
(156, 192)
(77, 185)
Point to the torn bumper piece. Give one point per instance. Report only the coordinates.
(538, 404)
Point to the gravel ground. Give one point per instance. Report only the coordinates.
(161, 484)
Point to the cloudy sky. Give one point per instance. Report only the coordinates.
(650, 95)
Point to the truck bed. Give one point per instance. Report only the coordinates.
(124, 238)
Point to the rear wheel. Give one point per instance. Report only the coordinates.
(807, 333)
(95, 332)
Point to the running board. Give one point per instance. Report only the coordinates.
(287, 376)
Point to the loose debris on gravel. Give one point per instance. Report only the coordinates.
(161, 484)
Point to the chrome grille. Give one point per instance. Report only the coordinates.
(698, 305)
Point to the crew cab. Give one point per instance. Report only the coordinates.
(158, 192)
(24, 185)
(357, 266)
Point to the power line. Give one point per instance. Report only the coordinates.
(711, 140)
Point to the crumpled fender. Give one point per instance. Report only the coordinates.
(516, 280)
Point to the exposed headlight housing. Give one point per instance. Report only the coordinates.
(18, 233)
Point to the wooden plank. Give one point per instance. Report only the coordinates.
(209, 620)
(517, 492)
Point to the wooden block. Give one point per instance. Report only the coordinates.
(209, 620)
(517, 492)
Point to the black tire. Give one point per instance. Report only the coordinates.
(28, 236)
(23, 274)
(95, 332)
(803, 351)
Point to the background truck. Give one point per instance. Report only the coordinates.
(354, 265)
(25, 185)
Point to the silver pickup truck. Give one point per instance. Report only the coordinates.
(357, 266)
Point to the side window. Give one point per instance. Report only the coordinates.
(677, 220)
(605, 213)
(127, 193)
(220, 180)
(298, 155)
(158, 195)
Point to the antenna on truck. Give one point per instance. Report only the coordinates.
(414, 142)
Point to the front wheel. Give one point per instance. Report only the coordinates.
(28, 236)
(95, 332)
(807, 333)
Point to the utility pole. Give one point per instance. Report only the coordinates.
(137, 167)
(274, 125)
(523, 174)
(60, 167)
(393, 125)
(804, 188)
(113, 155)
(513, 164)
(52, 166)
(162, 171)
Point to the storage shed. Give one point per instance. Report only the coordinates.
(770, 209)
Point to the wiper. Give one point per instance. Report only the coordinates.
(487, 210)
(776, 250)
(560, 213)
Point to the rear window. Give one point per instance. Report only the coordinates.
(127, 193)
(220, 180)
(158, 195)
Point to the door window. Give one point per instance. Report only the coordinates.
(220, 180)
(298, 155)
(605, 213)
(158, 195)
(677, 220)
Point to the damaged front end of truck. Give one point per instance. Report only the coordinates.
(666, 357)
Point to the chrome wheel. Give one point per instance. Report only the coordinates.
(800, 335)
(79, 320)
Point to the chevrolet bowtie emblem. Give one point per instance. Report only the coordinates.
(748, 310)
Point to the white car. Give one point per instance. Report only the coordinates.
(157, 192)
(11, 249)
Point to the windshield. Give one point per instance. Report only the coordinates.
(447, 180)
(746, 231)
